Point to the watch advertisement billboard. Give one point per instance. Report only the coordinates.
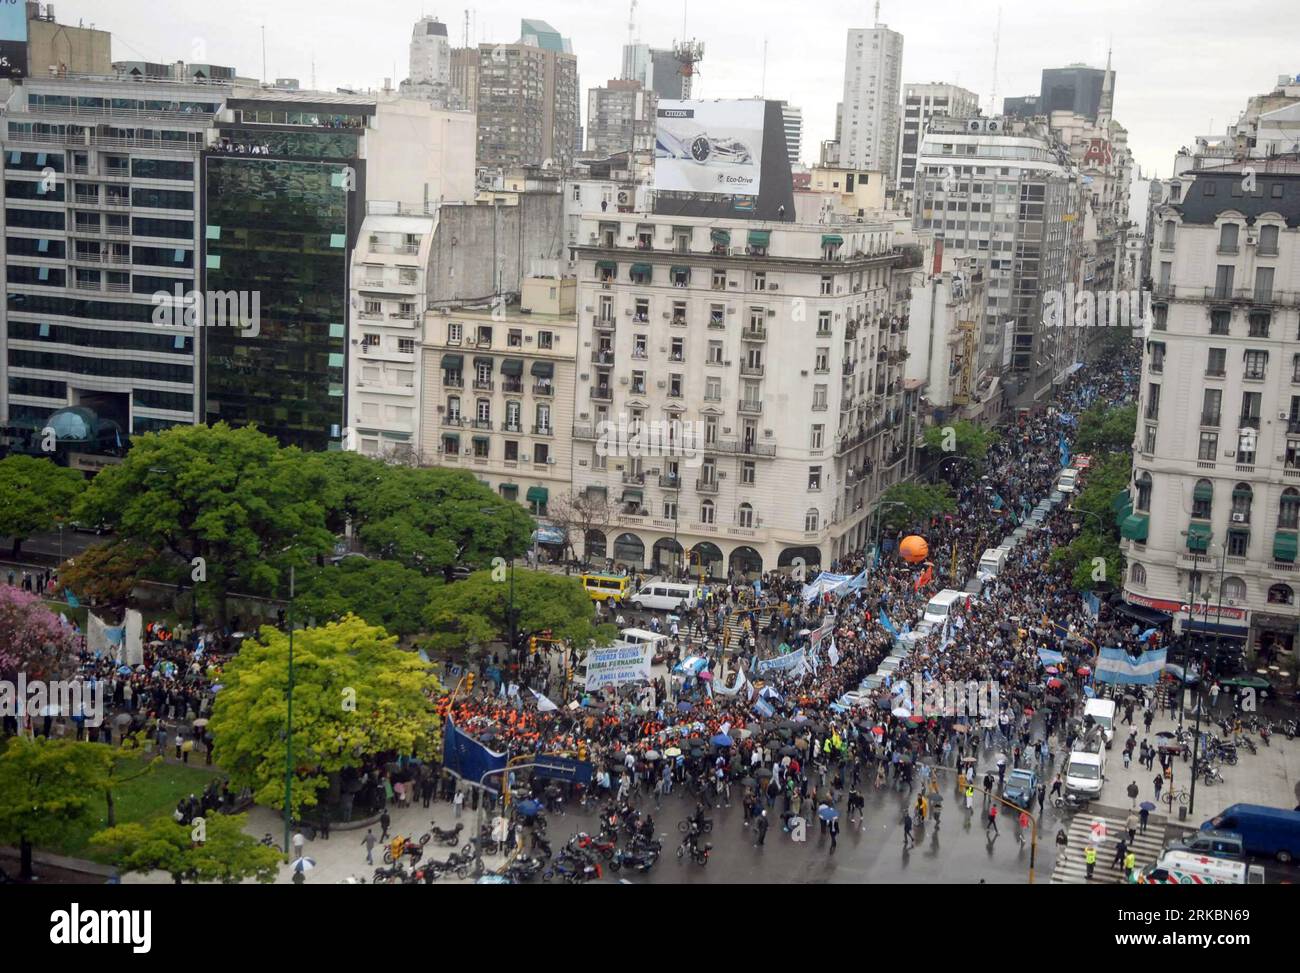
(13, 39)
(709, 146)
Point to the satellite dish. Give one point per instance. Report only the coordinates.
(548, 164)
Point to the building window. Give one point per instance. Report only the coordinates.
(748, 472)
(1238, 543)
(481, 448)
(823, 323)
(1256, 364)
(1209, 447)
(1228, 238)
(1202, 499)
(818, 437)
(707, 515)
(819, 397)
(1242, 496)
(810, 520)
(1288, 511)
(1217, 362)
(1220, 319)
(719, 280)
(545, 339)
(1280, 594)
(745, 515)
(406, 346)
(1143, 484)
(814, 478)
(827, 285)
(1259, 322)
(1153, 401)
(1137, 574)
(670, 510)
(1150, 444)
(1156, 351)
(1234, 589)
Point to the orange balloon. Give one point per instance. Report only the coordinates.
(914, 549)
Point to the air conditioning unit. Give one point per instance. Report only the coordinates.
(593, 238)
(1238, 518)
(1283, 416)
(627, 312)
(771, 312)
(667, 314)
(975, 125)
(623, 198)
(623, 380)
(992, 126)
(773, 287)
(589, 309)
(1251, 239)
(550, 461)
(731, 310)
(525, 459)
(661, 385)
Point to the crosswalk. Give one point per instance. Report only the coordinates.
(1070, 868)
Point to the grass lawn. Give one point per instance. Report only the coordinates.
(154, 794)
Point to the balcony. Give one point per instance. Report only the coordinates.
(1293, 424)
(484, 384)
(748, 447)
(848, 367)
(401, 248)
(484, 424)
(541, 430)
(706, 485)
(602, 393)
(1212, 421)
(717, 321)
(456, 420)
(670, 481)
(512, 386)
(584, 431)
(635, 478)
(511, 426)
(751, 371)
(1248, 422)
(602, 324)
(753, 334)
(453, 381)
(544, 389)
(750, 407)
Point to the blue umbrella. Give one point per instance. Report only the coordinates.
(828, 813)
(722, 740)
(1147, 806)
(124, 670)
(530, 808)
(683, 707)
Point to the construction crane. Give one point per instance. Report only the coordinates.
(688, 55)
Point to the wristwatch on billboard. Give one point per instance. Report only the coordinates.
(702, 148)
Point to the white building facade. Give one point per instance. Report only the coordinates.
(921, 102)
(869, 112)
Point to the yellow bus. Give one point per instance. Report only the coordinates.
(606, 587)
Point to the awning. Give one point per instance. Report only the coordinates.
(453, 363)
(451, 437)
(1141, 613)
(721, 237)
(543, 369)
(595, 489)
(509, 490)
(537, 494)
(482, 360)
(482, 439)
(1203, 491)
(1284, 545)
(759, 238)
(1134, 527)
(1120, 501)
(832, 240)
(1217, 629)
(631, 496)
(513, 367)
(1198, 537)
(676, 271)
(644, 270)
(1241, 493)
(609, 265)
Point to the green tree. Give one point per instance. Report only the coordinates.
(46, 786)
(225, 854)
(232, 497)
(105, 574)
(960, 438)
(1108, 475)
(383, 593)
(432, 520)
(355, 694)
(35, 496)
(474, 611)
(1092, 559)
(920, 503)
(1106, 428)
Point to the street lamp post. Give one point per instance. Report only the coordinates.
(288, 749)
(1196, 738)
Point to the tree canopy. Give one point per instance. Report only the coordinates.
(34, 638)
(105, 574)
(383, 593)
(961, 438)
(355, 694)
(920, 504)
(1105, 428)
(35, 496)
(226, 854)
(232, 497)
(475, 611)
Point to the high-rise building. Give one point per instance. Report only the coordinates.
(869, 120)
(793, 117)
(759, 366)
(100, 234)
(620, 118)
(1210, 525)
(527, 102)
(658, 69)
(1008, 197)
(921, 102)
(1076, 88)
(429, 72)
(464, 78)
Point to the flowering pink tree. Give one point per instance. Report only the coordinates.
(31, 636)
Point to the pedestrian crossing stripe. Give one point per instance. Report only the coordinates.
(1070, 867)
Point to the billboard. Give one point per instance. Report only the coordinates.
(618, 664)
(13, 39)
(709, 146)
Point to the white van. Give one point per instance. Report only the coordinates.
(992, 561)
(639, 636)
(1068, 481)
(669, 596)
(1219, 870)
(937, 610)
(1085, 773)
(1103, 713)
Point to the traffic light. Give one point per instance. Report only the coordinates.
(532, 645)
(469, 682)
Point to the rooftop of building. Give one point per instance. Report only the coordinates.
(1280, 175)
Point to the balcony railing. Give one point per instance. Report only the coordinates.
(750, 407)
(754, 334)
(543, 430)
(543, 388)
(707, 485)
(751, 371)
(633, 477)
(1248, 422)
(670, 481)
(602, 393)
(484, 384)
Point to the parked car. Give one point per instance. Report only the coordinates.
(1216, 844)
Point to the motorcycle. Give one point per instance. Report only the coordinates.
(636, 861)
(1069, 802)
(573, 869)
(705, 825)
(1265, 731)
(1211, 774)
(642, 843)
(1249, 744)
(542, 845)
(700, 853)
(604, 847)
(449, 837)
(1291, 728)
(413, 848)
(394, 874)
(525, 869)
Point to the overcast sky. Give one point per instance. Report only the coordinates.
(1181, 68)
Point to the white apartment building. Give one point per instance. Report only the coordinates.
(499, 392)
(389, 285)
(921, 102)
(868, 126)
(1216, 487)
(430, 58)
(792, 115)
(777, 347)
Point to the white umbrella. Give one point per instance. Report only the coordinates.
(303, 864)
(901, 713)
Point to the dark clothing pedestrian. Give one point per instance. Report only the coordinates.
(384, 821)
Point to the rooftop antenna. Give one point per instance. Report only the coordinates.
(631, 24)
(997, 43)
(877, 13)
(313, 70)
(264, 54)
(762, 88)
(467, 27)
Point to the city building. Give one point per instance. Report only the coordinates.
(1213, 516)
(1004, 192)
(527, 103)
(845, 192)
(464, 78)
(498, 391)
(665, 71)
(868, 123)
(620, 118)
(763, 362)
(1025, 106)
(429, 70)
(793, 116)
(1075, 88)
(101, 214)
(921, 102)
(61, 49)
